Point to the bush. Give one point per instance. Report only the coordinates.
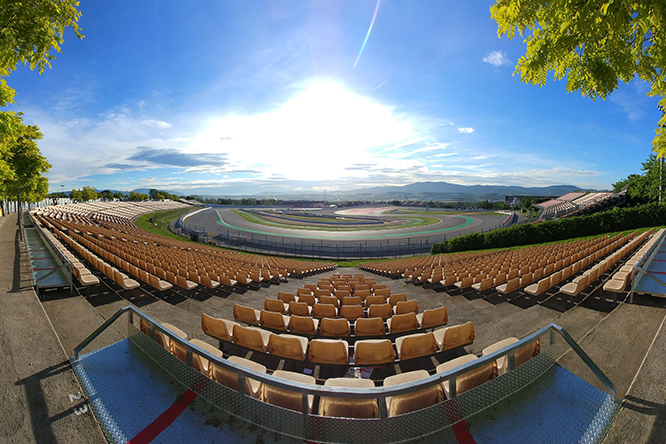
(617, 219)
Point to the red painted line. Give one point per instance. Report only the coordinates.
(657, 272)
(39, 269)
(463, 435)
(659, 260)
(163, 421)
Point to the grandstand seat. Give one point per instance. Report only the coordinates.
(348, 407)
(222, 329)
(208, 282)
(469, 379)
(484, 284)
(363, 294)
(308, 299)
(184, 283)
(373, 352)
(351, 300)
(521, 356)
(286, 297)
(385, 292)
(166, 342)
(252, 338)
(342, 293)
(288, 346)
(510, 286)
(299, 309)
(618, 282)
(573, 288)
(433, 317)
(403, 307)
(369, 327)
(371, 300)
(199, 362)
(288, 399)
(397, 297)
(415, 345)
(402, 322)
(329, 351)
(246, 314)
(274, 320)
(334, 327)
(158, 284)
(332, 300)
(324, 311)
(229, 378)
(275, 305)
(539, 287)
(397, 405)
(304, 325)
(319, 292)
(351, 312)
(380, 310)
(448, 338)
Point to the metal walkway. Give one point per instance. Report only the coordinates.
(48, 267)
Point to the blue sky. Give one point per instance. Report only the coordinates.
(263, 97)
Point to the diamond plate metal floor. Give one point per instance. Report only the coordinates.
(127, 392)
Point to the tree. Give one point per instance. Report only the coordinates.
(27, 165)
(88, 193)
(593, 43)
(76, 195)
(645, 187)
(29, 30)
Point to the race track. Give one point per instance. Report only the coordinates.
(226, 226)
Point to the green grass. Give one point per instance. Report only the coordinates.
(161, 225)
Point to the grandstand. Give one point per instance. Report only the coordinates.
(424, 348)
(579, 204)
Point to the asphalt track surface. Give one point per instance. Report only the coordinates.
(225, 221)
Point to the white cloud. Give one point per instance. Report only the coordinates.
(479, 157)
(157, 123)
(466, 130)
(497, 58)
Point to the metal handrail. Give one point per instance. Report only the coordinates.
(379, 393)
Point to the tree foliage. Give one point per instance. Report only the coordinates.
(27, 165)
(595, 44)
(88, 193)
(644, 187)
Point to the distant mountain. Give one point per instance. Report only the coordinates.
(147, 191)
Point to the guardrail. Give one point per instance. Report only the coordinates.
(281, 420)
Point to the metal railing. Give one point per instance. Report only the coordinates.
(379, 393)
(639, 272)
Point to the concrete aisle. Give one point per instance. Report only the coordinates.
(36, 380)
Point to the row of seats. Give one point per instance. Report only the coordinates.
(622, 277)
(82, 274)
(397, 305)
(336, 351)
(347, 407)
(325, 326)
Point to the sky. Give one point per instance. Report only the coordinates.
(261, 97)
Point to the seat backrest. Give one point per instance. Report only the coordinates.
(319, 292)
(249, 337)
(329, 300)
(408, 402)
(351, 300)
(373, 352)
(271, 319)
(308, 299)
(370, 300)
(245, 314)
(351, 312)
(363, 294)
(288, 346)
(369, 327)
(299, 308)
(329, 351)
(397, 297)
(302, 324)
(324, 311)
(334, 327)
(434, 317)
(416, 345)
(286, 297)
(383, 292)
(219, 328)
(458, 335)
(402, 322)
(302, 291)
(275, 305)
(380, 310)
(407, 307)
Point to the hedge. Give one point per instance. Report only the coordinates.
(617, 219)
